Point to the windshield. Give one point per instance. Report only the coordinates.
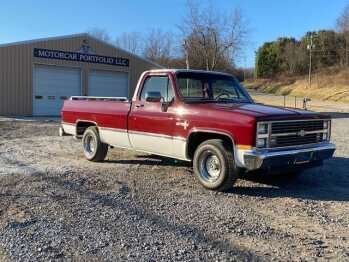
(210, 87)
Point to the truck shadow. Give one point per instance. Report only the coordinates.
(327, 183)
(151, 160)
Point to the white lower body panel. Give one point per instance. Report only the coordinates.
(115, 137)
(69, 128)
(139, 141)
(158, 144)
(180, 148)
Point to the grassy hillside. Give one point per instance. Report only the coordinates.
(332, 84)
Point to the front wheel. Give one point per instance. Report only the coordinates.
(94, 149)
(214, 165)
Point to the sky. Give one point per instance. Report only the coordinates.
(268, 19)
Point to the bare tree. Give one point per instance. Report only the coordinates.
(158, 46)
(132, 42)
(342, 22)
(100, 33)
(294, 57)
(218, 35)
(342, 25)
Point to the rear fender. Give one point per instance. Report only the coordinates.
(81, 126)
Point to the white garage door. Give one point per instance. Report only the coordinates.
(52, 85)
(107, 83)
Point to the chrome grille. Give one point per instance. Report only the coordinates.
(296, 126)
(291, 140)
(293, 133)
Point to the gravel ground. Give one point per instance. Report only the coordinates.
(55, 205)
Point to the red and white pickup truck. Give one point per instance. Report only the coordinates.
(204, 117)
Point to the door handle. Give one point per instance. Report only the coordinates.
(139, 105)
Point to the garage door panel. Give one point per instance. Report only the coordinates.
(52, 84)
(56, 80)
(108, 83)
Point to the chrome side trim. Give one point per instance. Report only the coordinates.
(179, 138)
(113, 129)
(149, 134)
(68, 124)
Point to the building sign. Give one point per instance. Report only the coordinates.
(80, 56)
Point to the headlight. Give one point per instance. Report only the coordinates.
(262, 135)
(261, 142)
(262, 128)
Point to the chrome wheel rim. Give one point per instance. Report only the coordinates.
(210, 167)
(89, 145)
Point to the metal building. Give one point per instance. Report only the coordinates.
(37, 76)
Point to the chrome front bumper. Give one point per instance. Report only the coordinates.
(283, 158)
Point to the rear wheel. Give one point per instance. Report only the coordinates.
(214, 165)
(94, 150)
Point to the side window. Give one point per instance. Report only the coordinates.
(160, 84)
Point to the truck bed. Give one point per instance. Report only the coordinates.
(105, 113)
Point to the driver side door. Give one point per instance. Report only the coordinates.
(150, 128)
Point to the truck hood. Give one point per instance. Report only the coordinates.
(264, 112)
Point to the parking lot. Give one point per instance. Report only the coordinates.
(55, 205)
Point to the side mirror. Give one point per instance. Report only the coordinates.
(153, 96)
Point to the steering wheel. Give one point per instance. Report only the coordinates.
(222, 94)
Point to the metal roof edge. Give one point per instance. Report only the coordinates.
(42, 39)
(79, 35)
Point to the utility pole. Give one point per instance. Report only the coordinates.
(310, 48)
(184, 43)
(244, 67)
(185, 46)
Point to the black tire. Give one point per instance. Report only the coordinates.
(94, 150)
(214, 165)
